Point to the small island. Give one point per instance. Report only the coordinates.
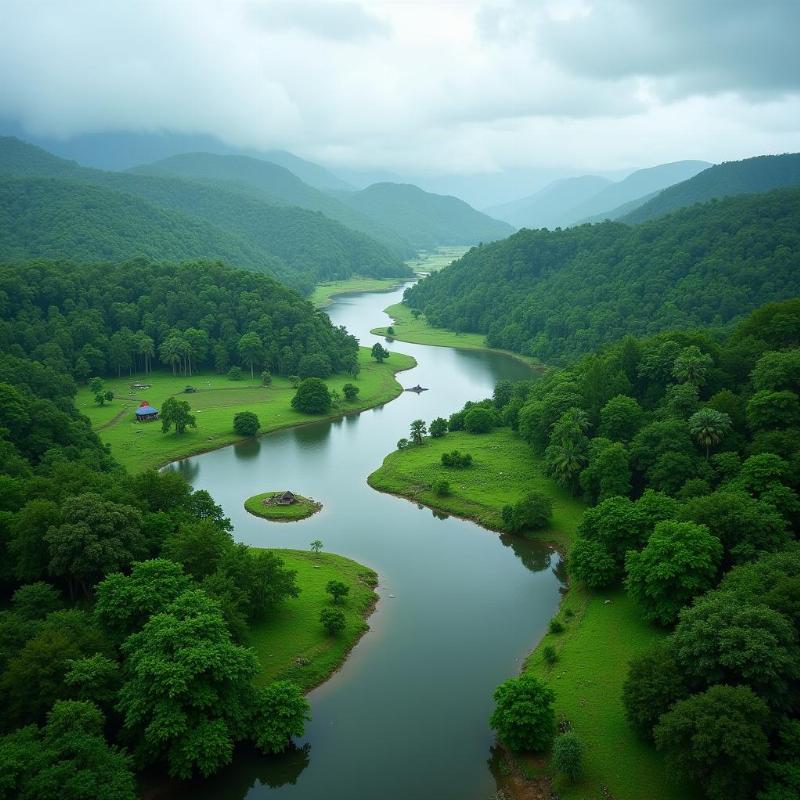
(281, 506)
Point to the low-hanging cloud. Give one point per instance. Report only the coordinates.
(428, 86)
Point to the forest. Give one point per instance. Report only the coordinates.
(686, 447)
(556, 295)
(113, 319)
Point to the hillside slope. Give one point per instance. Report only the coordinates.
(759, 174)
(554, 295)
(424, 219)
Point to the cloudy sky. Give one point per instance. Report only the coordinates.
(437, 86)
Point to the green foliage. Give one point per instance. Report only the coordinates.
(441, 488)
(568, 755)
(478, 420)
(558, 294)
(418, 431)
(36, 600)
(523, 716)
(350, 392)
(533, 511)
(379, 352)
(332, 620)
(282, 712)
(620, 418)
(316, 546)
(235, 374)
(556, 626)
(338, 590)
(438, 428)
(709, 427)
(246, 423)
(312, 397)
(679, 562)
(717, 740)
(266, 378)
(176, 413)
(456, 460)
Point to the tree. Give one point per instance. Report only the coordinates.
(176, 413)
(266, 378)
(654, 684)
(312, 397)
(67, 759)
(479, 420)
(532, 511)
(717, 740)
(251, 350)
(337, 590)
(316, 546)
(402, 443)
(438, 428)
(245, 423)
(592, 564)
(692, 366)
(709, 427)
(379, 353)
(97, 388)
(768, 409)
(283, 711)
(187, 696)
(568, 755)
(315, 365)
(607, 474)
(350, 392)
(679, 562)
(36, 600)
(94, 678)
(620, 419)
(96, 537)
(564, 462)
(235, 374)
(523, 716)
(198, 547)
(418, 430)
(332, 620)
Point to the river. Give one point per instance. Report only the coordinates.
(406, 718)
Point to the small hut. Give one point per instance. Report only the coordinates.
(286, 499)
(146, 412)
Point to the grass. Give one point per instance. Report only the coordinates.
(602, 631)
(302, 507)
(142, 445)
(420, 331)
(292, 644)
(433, 260)
(324, 293)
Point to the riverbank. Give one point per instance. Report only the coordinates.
(141, 446)
(417, 330)
(324, 293)
(602, 630)
(292, 644)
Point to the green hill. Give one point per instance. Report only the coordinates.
(554, 295)
(278, 186)
(759, 174)
(424, 219)
(299, 246)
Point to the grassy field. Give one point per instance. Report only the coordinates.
(142, 445)
(603, 631)
(324, 293)
(293, 644)
(434, 260)
(302, 507)
(419, 331)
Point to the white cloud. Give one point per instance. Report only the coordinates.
(416, 85)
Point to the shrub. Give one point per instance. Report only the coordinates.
(441, 488)
(337, 590)
(532, 511)
(332, 620)
(402, 443)
(523, 716)
(592, 564)
(478, 420)
(235, 374)
(294, 380)
(312, 397)
(266, 378)
(390, 330)
(456, 460)
(245, 423)
(438, 427)
(350, 392)
(568, 755)
(549, 654)
(556, 626)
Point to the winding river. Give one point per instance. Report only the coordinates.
(407, 715)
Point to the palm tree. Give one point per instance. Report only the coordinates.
(565, 460)
(692, 365)
(145, 347)
(709, 426)
(251, 349)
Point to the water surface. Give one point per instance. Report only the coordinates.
(406, 717)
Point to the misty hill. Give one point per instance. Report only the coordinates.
(424, 219)
(276, 185)
(759, 174)
(300, 246)
(557, 294)
(551, 206)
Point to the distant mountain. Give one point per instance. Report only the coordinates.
(424, 219)
(551, 206)
(120, 150)
(618, 212)
(635, 187)
(276, 185)
(299, 246)
(759, 174)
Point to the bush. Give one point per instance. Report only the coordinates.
(235, 374)
(441, 488)
(478, 420)
(532, 511)
(402, 443)
(390, 330)
(312, 397)
(591, 564)
(523, 716)
(332, 620)
(337, 590)
(549, 654)
(350, 392)
(456, 460)
(438, 428)
(568, 755)
(245, 423)
(556, 626)
(266, 378)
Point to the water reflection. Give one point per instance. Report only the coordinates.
(535, 555)
(247, 450)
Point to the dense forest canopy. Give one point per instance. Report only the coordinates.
(759, 174)
(88, 215)
(557, 294)
(107, 318)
